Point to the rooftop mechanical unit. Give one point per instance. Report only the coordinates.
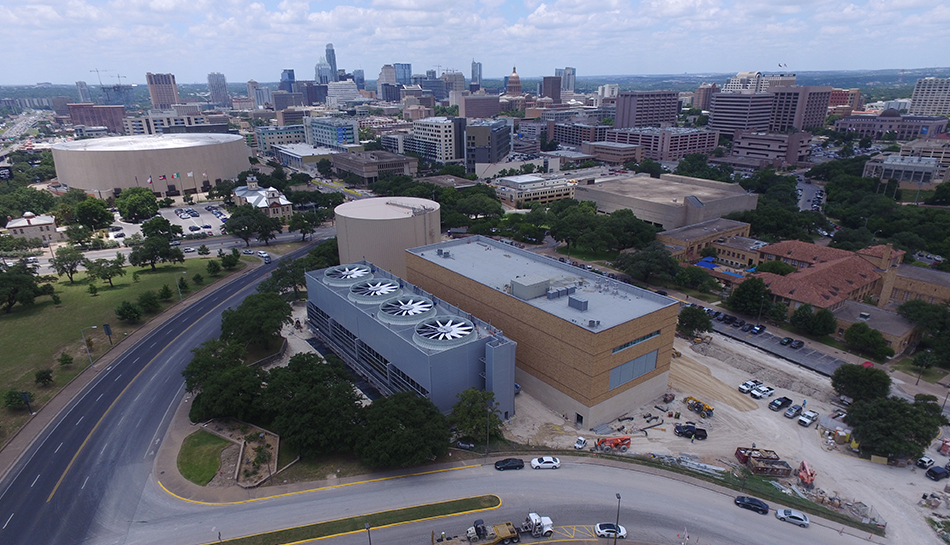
(373, 292)
(442, 332)
(347, 275)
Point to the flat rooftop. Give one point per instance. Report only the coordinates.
(664, 191)
(703, 229)
(495, 264)
(881, 320)
(148, 142)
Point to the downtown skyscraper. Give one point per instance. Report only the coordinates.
(331, 60)
(218, 89)
(476, 72)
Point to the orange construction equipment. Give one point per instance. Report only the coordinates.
(608, 444)
(945, 447)
(806, 475)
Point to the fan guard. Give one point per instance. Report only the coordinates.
(347, 275)
(441, 332)
(406, 309)
(371, 292)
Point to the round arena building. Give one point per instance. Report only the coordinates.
(175, 163)
(380, 229)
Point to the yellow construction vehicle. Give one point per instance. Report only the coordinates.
(698, 406)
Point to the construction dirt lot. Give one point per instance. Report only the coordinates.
(712, 372)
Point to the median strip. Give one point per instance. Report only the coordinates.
(381, 519)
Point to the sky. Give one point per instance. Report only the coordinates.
(61, 41)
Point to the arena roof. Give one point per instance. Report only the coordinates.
(148, 142)
(497, 265)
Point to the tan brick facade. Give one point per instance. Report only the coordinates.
(570, 359)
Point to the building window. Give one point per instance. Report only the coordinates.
(624, 346)
(634, 368)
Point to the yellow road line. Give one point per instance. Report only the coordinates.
(315, 489)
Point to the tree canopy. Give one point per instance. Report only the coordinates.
(868, 341)
(475, 414)
(136, 204)
(693, 320)
(894, 427)
(257, 320)
(402, 430)
(751, 297)
(653, 261)
(20, 284)
(861, 383)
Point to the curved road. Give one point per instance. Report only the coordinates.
(88, 478)
(97, 454)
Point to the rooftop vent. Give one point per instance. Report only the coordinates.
(577, 302)
(442, 332)
(346, 275)
(373, 292)
(864, 316)
(406, 309)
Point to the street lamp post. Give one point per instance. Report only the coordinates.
(84, 343)
(368, 535)
(617, 524)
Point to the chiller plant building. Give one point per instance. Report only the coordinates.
(402, 339)
(589, 347)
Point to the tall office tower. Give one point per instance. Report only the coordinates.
(163, 90)
(430, 74)
(262, 96)
(757, 82)
(476, 72)
(403, 73)
(387, 74)
(646, 109)
(740, 111)
(83, 89)
(486, 141)
(287, 80)
(218, 88)
(931, 97)
(454, 81)
(567, 76)
(331, 60)
(360, 78)
(551, 88)
(252, 87)
(799, 107)
(322, 72)
(702, 97)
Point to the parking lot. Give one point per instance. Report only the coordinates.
(205, 217)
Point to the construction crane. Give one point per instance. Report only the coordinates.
(97, 71)
(806, 475)
(117, 78)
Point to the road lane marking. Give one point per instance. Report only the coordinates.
(136, 360)
(331, 487)
(153, 344)
(117, 378)
(8, 521)
(100, 396)
(83, 487)
(57, 448)
(142, 370)
(34, 480)
(80, 419)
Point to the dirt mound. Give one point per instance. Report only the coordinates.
(694, 379)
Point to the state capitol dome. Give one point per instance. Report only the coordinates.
(514, 83)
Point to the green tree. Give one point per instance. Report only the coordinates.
(267, 229)
(182, 284)
(204, 250)
(258, 320)
(229, 261)
(894, 427)
(161, 228)
(65, 359)
(924, 360)
(149, 302)
(402, 430)
(861, 383)
(165, 293)
(314, 406)
(67, 261)
(78, 234)
(778, 312)
(776, 267)
(235, 393)
(941, 196)
(694, 277)
(653, 261)
(43, 377)
(93, 290)
(209, 360)
(869, 341)
(20, 284)
(803, 317)
(324, 167)
(213, 268)
(709, 251)
(751, 297)
(128, 312)
(824, 323)
(305, 222)
(153, 251)
(136, 204)
(693, 320)
(475, 414)
(106, 269)
(198, 279)
(92, 214)
(243, 222)
(13, 399)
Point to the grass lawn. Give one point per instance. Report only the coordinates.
(34, 336)
(907, 195)
(586, 255)
(200, 456)
(906, 366)
(375, 520)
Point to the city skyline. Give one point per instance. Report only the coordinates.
(246, 40)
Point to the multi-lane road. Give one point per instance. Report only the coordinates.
(82, 478)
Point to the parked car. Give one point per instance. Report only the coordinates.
(509, 463)
(937, 473)
(925, 462)
(796, 344)
(609, 529)
(189, 250)
(465, 444)
(761, 391)
(786, 341)
(807, 418)
(747, 327)
(793, 411)
(728, 320)
(795, 517)
(115, 229)
(752, 504)
(545, 462)
(738, 323)
(748, 385)
(206, 226)
(780, 403)
(261, 253)
(119, 235)
(175, 243)
(580, 443)
(661, 292)
(690, 431)
(758, 329)
(194, 228)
